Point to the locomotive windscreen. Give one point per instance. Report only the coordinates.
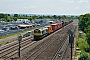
(37, 31)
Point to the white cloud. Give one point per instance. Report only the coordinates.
(30, 7)
(70, 1)
(45, 6)
(43, 10)
(16, 0)
(9, 6)
(26, 7)
(45, 0)
(88, 7)
(67, 1)
(83, 1)
(64, 1)
(77, 7)
(59, 8)
(51, 0)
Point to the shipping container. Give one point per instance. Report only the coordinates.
(49, 28)
(54, 27)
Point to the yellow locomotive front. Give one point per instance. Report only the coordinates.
(37, 32)
(40, 33)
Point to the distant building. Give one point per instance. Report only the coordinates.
(42, 21)
(22, 21)
(24, 26)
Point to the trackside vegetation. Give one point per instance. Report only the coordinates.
(14, 17)
(84, 38)
(8, 41)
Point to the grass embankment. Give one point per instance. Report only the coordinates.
(1, 37)
(8, 41)
(82, 44)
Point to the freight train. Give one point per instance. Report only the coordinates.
(39, 33)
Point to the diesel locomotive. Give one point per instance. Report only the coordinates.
(44, 31)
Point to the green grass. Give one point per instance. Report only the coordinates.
(8, 41)
(1, 37)
(77, 53)
(4, 42)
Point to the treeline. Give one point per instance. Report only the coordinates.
(84, 22)
(8, 17)
(84, 25)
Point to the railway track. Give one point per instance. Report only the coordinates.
(65, 52)
(12, 43)
(60, 52)
(67, 55)
(42, 49)
(11, 49)
(48, 48)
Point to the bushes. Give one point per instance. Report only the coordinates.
(84, 47)
(84, 56)
(84, 44)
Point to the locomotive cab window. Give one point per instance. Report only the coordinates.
(36, 31)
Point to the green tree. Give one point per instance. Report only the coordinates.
(88, 35)
(59, 17)
(64, 17)
(30, 19)
(2, 15)
(15, 15)
(54, 16)
(8, 14)
(15, 19)
(84, 22)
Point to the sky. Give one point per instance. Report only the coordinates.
(68, 7)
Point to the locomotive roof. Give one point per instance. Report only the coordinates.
(48, 26)
(42, 28)
(53, 24)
